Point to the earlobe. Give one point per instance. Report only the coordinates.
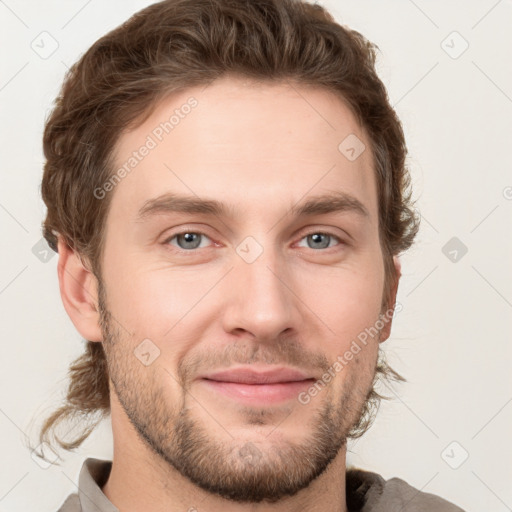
(79, 293)
(388, 318)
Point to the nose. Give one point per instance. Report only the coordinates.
(260, 298)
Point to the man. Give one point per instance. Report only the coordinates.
(226, 190)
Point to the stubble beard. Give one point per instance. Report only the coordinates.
(235, 469)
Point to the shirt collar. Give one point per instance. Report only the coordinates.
(93, 476)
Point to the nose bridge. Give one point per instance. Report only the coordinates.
(260, 301)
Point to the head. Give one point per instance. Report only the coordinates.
(193, 159)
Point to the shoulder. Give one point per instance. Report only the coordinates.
(415, 500)
(368, 492)
(72, 504)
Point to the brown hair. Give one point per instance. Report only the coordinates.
(175, 44)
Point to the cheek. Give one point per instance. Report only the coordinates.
(347, 301)
(156, 302)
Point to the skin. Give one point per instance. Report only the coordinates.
(260, 149)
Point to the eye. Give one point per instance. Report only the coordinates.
(320, 240)
(188, 240)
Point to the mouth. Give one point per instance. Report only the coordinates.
(258, 387)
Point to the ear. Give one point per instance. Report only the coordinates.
(388, 320)
(79, 293)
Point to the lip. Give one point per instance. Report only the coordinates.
(261, 387)
(258, 375)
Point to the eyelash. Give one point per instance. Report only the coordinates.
(189, 251)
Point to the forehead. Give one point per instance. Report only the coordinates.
(258, 147)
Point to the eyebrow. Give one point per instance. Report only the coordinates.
(317, 205)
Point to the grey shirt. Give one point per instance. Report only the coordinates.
(366, 492)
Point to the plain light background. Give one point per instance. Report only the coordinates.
(452, 338)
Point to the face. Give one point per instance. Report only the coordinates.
(241, 261)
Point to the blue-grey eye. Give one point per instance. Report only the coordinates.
(320, 240)
(188, 240)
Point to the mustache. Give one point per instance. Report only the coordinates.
(289, 353)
